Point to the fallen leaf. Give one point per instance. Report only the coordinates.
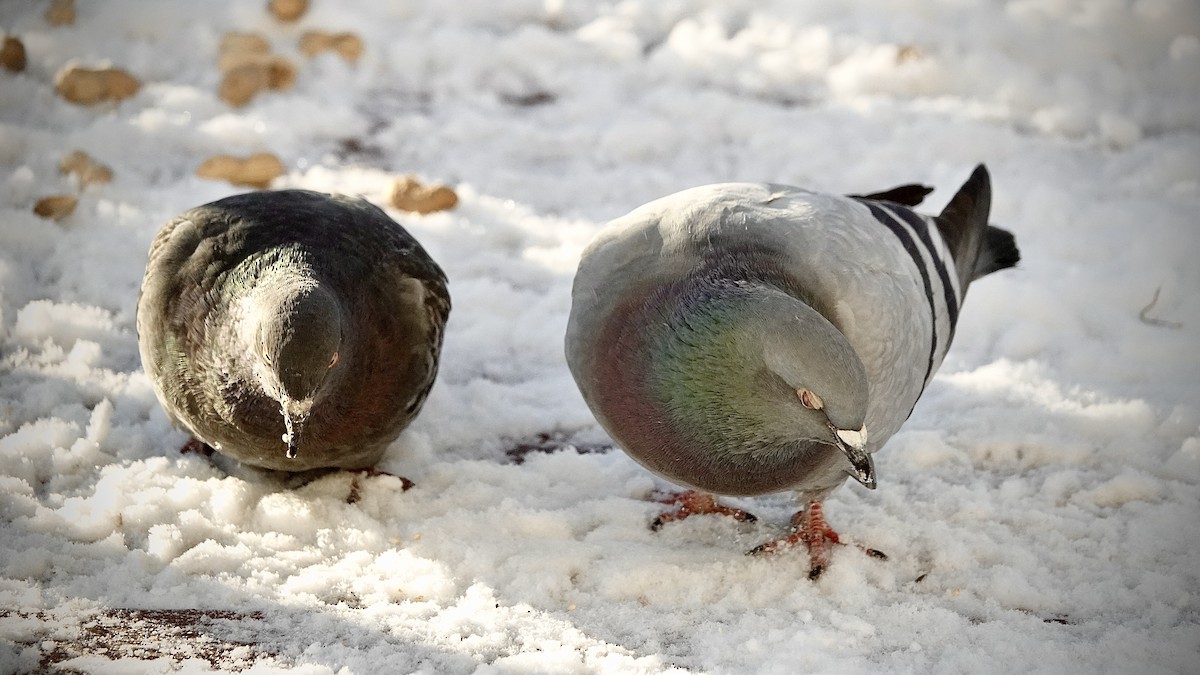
(256, 72)
(281, 74)
(348, 45)
(121, 85)
(89, 86)
(12, 55)
(86, 169)
(236, 47)
(288, 10)
(241, 84)
(56, 207)
(908, 53)
(257, 170)
(61, 13)
(409, 194)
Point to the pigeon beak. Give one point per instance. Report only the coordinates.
(295, 414)
(853, 444)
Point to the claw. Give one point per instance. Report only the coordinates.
(692, 503)
(810, 528)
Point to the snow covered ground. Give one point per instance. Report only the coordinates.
(1041, 507)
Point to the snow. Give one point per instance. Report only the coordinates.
(1041, 508)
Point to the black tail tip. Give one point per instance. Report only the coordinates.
(999, 252)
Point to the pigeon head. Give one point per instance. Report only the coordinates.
(752, 372)
(298, 343)
(825, 377)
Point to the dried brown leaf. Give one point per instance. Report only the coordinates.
(281, 73)
(252, 43)
(121, 85)
(12, 55)
(241, 84)
(56, 207)
(409, 194)
(314, 42)
(257, 170)
(61, 13)
(908, 53)
(348, 45)
(88, 170)
(288, 10)
(89, 86)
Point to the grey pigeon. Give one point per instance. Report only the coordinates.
(291, 330)
(744, 339)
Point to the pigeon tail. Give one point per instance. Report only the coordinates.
(963, 223)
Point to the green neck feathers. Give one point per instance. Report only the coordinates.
(707, 369)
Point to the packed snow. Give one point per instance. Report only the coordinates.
(1041, 507)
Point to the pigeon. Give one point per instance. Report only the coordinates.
(291, 330)
(742, 339)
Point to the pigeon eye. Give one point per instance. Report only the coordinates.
(334, 360)
(810, 399)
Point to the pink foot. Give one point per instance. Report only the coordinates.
(197, 447)
(810, 528)
(692, 503)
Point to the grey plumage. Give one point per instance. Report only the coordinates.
(743, 338)
(291, 330)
